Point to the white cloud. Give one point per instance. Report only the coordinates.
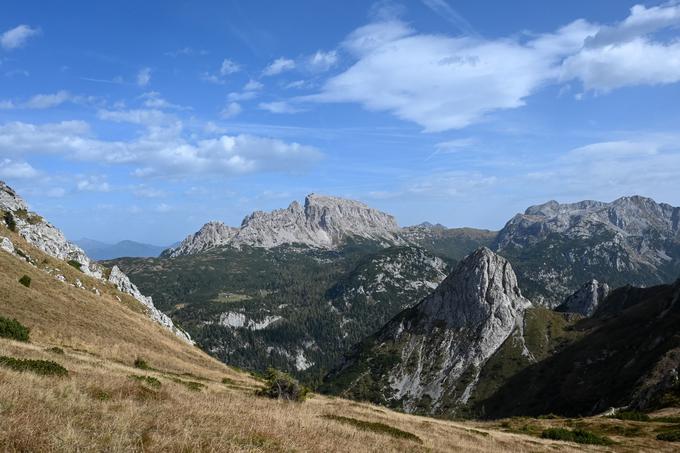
(297, 84)
(231, 110)
(242, 96)
(636, 62)
(323, 61)
(144, 77)
(278, 107)
(163, 207)
(10, 169)
(93, 184)
(17, 36)
(46, 101)
(56, 192)
(145, 117)
(229, 67)
(147, 192)
(253, 85)
(154, 100)
(445, 82)
(161, 152)
(6, 105)
(186, 51)
(278, 66)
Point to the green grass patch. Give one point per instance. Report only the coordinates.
(76, 264)
(148, 380)
(631, 415)
(41, 367)
(670, 436)
(579, 436)
(11, 328)
(26, 281)
(666, 419)
(376, 427)
(191, 385)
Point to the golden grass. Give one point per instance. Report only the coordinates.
(99, 407)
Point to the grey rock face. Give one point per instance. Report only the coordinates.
(6, 245)
(43, 235)
(630, 219)
(586, 300)
(323, 222)
(443, 342)
(630, 240)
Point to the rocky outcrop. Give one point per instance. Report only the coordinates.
(323, 222)
(123, 283)
(586, 299)
(6, 245)
(428, 358)
(212, 234)
(46, 237)
(632, 240)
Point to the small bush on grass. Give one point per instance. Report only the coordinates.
(141, 364)
(76, 264)
(9, 221)
(279, 385)
(631, 415)
(26, 281)
(55, 350)
(376, 427)
(148, 380)
(11, 328)
(41, 367)
(579, 436)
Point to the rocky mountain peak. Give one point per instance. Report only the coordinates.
(482, 285)
(323, 222)
(586, 299)
(438, 347)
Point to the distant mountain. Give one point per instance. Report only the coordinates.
(455, 243)
(323, 222)
(555, 247)
(102, 251)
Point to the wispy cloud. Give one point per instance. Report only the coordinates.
(450, 82)
(278, 66)
(17, 37)
(144, 77)
(446, 11)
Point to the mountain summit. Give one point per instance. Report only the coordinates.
(323, 222)
(428, 358)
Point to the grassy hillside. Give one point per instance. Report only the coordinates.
(628, 353)
(182, 400)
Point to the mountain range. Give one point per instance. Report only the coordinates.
(98, 250)
(424, 319)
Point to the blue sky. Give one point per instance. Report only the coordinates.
(144, 120)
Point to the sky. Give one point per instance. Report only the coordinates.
(144, 120)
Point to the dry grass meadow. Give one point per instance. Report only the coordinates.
(195, 403)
